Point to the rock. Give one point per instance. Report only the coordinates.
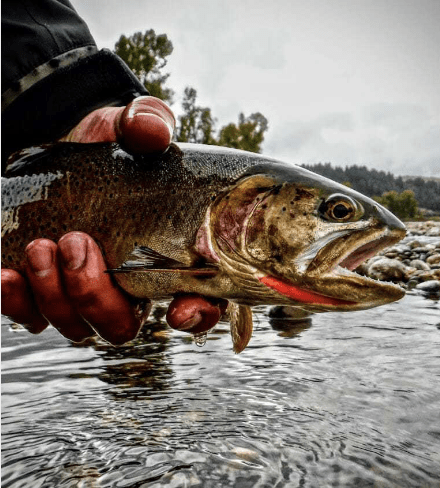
(419, 250)
(386, 269)
(419, 264)
(414, 244)
(429, 228)
(431, 286)
(433, 232)
(399, 248)
(433, 259)
(428, 275)
(411, 272)
(363, 268)
(391, 254)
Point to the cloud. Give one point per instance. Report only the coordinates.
(401, 138)
(348, 82)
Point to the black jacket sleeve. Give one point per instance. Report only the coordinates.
(52, 73)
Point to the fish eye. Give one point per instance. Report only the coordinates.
(340, 208)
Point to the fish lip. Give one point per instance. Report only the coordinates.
(354, 249)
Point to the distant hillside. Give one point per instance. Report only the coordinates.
(424, 178)
(372, 183)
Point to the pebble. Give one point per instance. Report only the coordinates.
(419, 264)
(431, 286)
(412, 263)
(433, 259)
(387, 269)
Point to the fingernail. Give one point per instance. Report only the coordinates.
(73, 251)
(40, 259)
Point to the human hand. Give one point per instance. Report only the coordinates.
(75, 294)
(66, 285)
(144, 126)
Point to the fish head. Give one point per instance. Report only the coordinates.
(294, 237)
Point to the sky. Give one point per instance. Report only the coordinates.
(340, 81)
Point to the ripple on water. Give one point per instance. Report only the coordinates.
(348, 400)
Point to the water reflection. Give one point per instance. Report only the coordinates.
(289, 321)
(138, 368)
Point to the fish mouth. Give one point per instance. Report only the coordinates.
(330, 281)
(352, 249)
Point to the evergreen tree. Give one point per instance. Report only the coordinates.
(196, 124)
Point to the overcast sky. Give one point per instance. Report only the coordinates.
(345, 81)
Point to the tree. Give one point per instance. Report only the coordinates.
(247, 135)
(146, 55)
(196, 124)
(404, 204)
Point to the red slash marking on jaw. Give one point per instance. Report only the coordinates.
(299, 294)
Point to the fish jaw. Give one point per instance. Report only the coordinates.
(278, 250)
(335, 286)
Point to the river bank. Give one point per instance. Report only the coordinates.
(413, 263)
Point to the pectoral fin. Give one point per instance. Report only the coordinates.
(241, 325)
(144, 259)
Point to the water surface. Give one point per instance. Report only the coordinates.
(340, 400)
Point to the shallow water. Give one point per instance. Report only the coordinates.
(339, 400)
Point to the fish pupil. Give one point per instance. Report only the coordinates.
(340, 211)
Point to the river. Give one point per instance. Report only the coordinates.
(337, 400)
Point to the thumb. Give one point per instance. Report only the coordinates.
(145, 126)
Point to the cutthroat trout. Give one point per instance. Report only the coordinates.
(199, 219)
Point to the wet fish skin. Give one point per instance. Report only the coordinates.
(261, 224)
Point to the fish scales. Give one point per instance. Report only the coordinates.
(201, 219)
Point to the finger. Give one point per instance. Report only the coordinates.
(45, 279)
(194, 313)
(92, 292)
(97, 126)
(18, 303)
(146, 126)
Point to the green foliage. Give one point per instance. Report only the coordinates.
(247, 135)
(196, 124)
(404, 204)
(146, 55)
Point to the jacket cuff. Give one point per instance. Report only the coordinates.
(54, 105)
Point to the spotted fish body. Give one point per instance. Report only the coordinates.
(201, 219)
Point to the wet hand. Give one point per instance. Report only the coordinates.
(66, 286)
